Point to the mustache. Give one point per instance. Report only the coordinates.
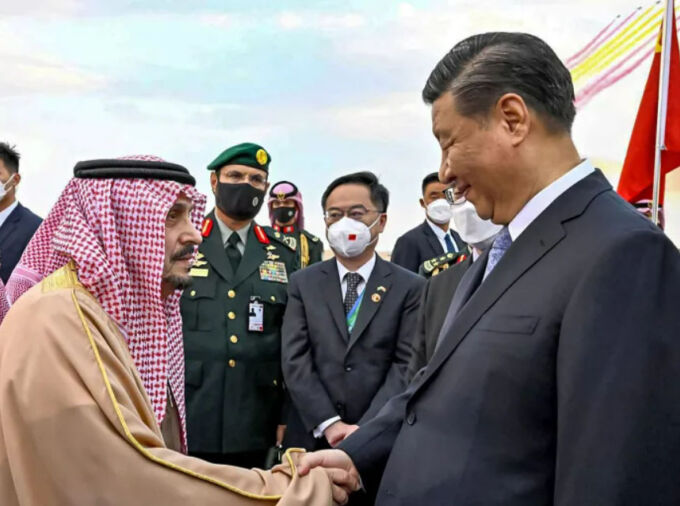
(184, 251)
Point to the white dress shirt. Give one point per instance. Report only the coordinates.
(441, 236)
(226, 232)
(365, 272)
(547, 196)
(4, 214)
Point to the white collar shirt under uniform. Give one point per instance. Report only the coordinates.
(547, 196)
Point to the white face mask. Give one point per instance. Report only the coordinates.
(350, 238)
(472, 229)
(5, 187)
(439, 211)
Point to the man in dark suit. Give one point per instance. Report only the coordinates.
(433, 237)
(550, 384)
(17, 223)
(444, 274)
(346, 337)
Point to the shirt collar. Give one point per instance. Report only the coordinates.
(226, 232)
(438, 231)
(4, 214)
(365, 270)
(547, 196)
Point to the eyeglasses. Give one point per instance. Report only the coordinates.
(453, 198)
(355, 213)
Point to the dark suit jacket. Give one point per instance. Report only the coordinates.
(557, 381)
(331, 373)
(434, 306)
(420, 244)
(15, 233)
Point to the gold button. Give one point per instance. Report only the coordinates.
(273, 298)
(231, 294)
(231, 315)
(193, 292)
(233, 339)
(232, 362)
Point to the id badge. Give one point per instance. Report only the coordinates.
(256, 316)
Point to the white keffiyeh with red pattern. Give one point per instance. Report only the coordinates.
(114, 230)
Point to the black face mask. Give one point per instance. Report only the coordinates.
(240, 201)
(283, 214)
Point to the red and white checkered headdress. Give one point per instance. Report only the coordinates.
(114, 230)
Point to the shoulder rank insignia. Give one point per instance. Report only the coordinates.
(436, 265)
(206, 227)
(261, 234)
(278, 238)
(290, 241)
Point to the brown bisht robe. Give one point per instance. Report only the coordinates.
(77, 428)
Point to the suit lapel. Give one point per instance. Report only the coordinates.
(432, 240)
(10, 224)
(213, 249)
(543, 234)
(253, 255)
(369, 307)
(331, 292)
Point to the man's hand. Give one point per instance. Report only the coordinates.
(280, 432)
(337, 432)
(340, 469)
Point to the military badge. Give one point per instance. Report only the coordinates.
(198, 273)
(261, 156)
(273, 271)
(290, 241)
(375, 298)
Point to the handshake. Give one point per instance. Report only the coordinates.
(340, 468)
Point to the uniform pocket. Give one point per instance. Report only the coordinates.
(273, 297)
(194, 373)
(198, 304)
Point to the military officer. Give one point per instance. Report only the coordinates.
(232, 316)
(286, 213)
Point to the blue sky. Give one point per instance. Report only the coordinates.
(328, 87)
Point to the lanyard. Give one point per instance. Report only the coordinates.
(352, 315)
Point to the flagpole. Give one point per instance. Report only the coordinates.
(662, 106)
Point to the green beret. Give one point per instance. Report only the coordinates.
(246, 153)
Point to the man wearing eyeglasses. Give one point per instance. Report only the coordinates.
(349, 321)
(232, 318)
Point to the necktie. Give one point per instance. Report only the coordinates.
(353, 279)
(450, 248)
(233, 254)
(500, 245)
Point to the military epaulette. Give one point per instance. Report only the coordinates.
(207, 226)
(311, 237)
(435, 265)
(280, 238)
(261, 234)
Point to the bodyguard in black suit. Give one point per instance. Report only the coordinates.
(433, 237)
(550, 383)
(17, 223)
(339, 370)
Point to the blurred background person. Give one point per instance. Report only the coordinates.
(17, 223)
(286, 213)
(433, 237)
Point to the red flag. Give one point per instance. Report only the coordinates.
(637, 175)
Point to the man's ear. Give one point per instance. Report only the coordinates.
(422, 203)
(513, 114)
(382, 223)
(213, 182)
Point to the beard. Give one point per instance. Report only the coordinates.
(178, 282)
